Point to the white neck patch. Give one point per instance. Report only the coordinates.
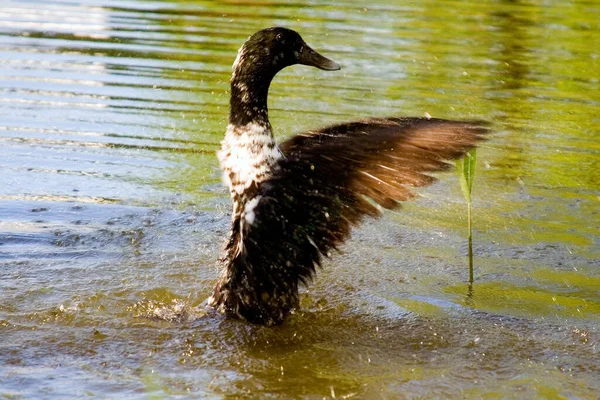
(248, 155)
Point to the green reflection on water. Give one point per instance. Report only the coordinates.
(505, 298)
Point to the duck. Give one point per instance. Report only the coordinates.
(295, 202)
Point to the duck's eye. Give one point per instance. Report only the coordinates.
(278, 37)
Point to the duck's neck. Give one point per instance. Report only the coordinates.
(248, 102)
(249, 153)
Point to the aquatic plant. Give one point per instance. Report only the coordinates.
(465, 167)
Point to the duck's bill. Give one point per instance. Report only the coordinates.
(310, 57)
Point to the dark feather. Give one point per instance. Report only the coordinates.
(319, 192)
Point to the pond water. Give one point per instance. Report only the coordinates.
(112, 211)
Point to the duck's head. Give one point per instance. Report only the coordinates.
(270, 50)
(262, 56)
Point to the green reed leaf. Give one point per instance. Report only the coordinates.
(466, 173)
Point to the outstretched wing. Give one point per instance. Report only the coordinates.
(380, 158)
(320, 190)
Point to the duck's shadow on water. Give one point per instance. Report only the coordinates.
(320, 347)
(334, 325)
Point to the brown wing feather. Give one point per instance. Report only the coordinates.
(385, 157)
(318, 193)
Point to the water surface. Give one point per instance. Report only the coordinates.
(111, 208)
